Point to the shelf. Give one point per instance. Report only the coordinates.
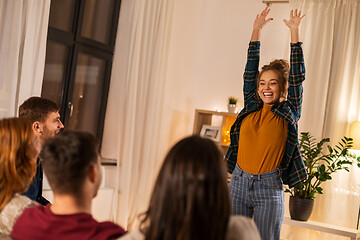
(323, 227)
(206, 117)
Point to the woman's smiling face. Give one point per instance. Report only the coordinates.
(268, 87)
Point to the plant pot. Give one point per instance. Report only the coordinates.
(300, 208)
(231, 108)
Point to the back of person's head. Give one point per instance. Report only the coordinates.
(190, 199)
(281, 68)
(67, 159)
(17, 157)
(37, 109)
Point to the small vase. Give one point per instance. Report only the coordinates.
(231, 108)
(300, 208)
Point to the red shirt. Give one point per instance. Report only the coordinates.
(40, 223)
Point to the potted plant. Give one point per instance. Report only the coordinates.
(232, 104)
(319, 166)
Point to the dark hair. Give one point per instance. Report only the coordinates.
(17, 157)
(37, 109)
(281, 67)
(67, 158)
(190, 199)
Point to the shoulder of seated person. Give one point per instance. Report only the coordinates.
(17, 204)
(23, 201)
(5, 237)
(241, 227)
(133, 235)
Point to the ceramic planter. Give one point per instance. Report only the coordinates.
(231, 108)
(300, 208)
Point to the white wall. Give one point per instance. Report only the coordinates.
(208, 55)
(207, 58)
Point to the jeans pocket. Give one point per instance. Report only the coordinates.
(272, 183)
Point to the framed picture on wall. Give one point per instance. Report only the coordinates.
(211, 132)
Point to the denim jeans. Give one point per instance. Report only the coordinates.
(261, 197)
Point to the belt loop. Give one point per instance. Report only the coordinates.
(239, 169)
(241, 172)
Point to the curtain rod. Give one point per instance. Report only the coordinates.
(269, 2)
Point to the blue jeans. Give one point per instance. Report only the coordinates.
(259, 196)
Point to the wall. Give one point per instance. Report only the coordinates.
(208, 55)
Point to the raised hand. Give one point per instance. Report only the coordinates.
(293, 24)
(295, 19)
(261, 20)
(259, 23)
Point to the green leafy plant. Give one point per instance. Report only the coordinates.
(320, 165)
(232, 100)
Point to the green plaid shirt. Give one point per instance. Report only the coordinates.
(292, 165)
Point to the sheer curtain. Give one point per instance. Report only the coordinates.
(331, 36)
(134, 122)
(23, 31)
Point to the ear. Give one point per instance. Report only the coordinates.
(37, 127)
(93, 173)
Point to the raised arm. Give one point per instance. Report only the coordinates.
(259, 23)
(252, 64)
(297, 66)
(293, 23)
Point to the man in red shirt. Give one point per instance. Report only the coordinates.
(72, 166)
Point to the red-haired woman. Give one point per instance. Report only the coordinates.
(17, 169)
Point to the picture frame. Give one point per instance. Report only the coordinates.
(211, 132)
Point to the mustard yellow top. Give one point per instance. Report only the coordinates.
(262, 141)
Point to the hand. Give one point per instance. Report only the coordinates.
(261, 20)
(295, 19)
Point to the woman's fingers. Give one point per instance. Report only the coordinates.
(296, 14)
(268, 20)
(264, 11)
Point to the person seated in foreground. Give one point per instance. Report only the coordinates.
(72, 166)
(191, 200)
(17, 168)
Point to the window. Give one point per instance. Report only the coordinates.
(79, 53)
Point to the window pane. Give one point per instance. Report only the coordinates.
(97, 20)
(86, 98)
(56, 56)
(61, 14)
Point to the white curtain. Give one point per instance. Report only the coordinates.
(23, 31)
(135, 113)
(331, 35)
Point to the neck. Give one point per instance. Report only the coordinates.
(67, 204)
(38, 143)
